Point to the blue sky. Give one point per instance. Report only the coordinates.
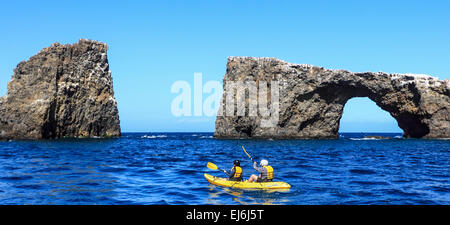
(152, 44)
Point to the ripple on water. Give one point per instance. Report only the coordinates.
(442, 189)
(369, 183)
(293, 175)
(170, 159)
(187, 172)
(16, 178)
(362, 171)
(89, 184)
(29, 186)
(52, 169)
(145, 171)
(182, 194)
(112, 169)
(362, 193)
(398, 192)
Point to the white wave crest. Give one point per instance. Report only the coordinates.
(364, 139)
(154, 136)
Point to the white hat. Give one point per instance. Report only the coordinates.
(264, 162)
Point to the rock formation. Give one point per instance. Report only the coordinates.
(311, 100)
(63, 91)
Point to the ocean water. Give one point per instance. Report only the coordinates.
(167, 168)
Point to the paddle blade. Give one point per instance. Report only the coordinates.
(212, 166)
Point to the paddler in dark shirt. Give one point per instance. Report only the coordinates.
(235, 172)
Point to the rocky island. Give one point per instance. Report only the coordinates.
(311, 100)
(62, 91)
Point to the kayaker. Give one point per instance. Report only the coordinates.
(236, 171)
(265, 172)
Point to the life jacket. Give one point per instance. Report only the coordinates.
(269, 172)
(238, 172)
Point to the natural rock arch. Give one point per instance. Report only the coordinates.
(311, 100)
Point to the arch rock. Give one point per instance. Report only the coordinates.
(311, 100)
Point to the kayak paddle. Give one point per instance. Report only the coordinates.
(213, 166)
(247, 154)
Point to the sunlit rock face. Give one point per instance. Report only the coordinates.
(311, 100)
(63, 91)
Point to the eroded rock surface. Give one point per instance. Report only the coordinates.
(63, 91)
(311, 100)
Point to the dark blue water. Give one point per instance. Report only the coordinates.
(167, 168)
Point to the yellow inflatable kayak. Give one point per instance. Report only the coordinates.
(245, 184)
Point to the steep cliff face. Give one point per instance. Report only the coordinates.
(63, 91)
(311, 100)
